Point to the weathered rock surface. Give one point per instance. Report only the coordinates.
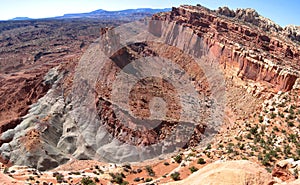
(28, 50)
(286, 170)
(243, 49)
(292, 32)
(229, 173)
(6, 180)
(251, 16)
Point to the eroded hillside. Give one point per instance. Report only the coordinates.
(80, 112)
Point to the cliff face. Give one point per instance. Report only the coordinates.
(245, 50)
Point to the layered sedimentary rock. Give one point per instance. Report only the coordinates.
(251, 16)
(80, 116)
(246, 50)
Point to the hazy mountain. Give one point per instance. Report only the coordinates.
(104, 14)
(121, 14)
(20, 18)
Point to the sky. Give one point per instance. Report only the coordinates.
(283, 12)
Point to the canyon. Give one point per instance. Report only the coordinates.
(160, 93)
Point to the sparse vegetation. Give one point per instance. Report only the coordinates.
(150, 171)
(59, 178)
(178, 158)
(201, 161)
(5, 171)
(87, 181)
(118, 178)
(148, 180)
(175, 176)
(193, 169)
(31, 178)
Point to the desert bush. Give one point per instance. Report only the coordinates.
(96, 179)
(175, 176)
(148, 180)
(59, 178)
(178, 158)
(87, 181)
(150, 171)
(291, 124)
(118, 178)
(201, 161)
(193, 169)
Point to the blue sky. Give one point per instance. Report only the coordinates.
(281, 11)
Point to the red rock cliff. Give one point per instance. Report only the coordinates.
(245, 50)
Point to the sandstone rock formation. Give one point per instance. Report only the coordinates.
(6, 180)
(229, 173)
(287, 169)
(243, 49)
(292, 32)
(251, 16)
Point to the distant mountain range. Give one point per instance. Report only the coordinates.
(104, 14)
(20, 18)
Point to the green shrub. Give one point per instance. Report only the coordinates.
(175, 176)
(260, 119)
(166, 164)
(201, 161)
(148, 180)
(193, 169)
(291, 111)
(295, 173)
(259, 157)
(31, 178)
(275, 129)
(96, 179)
(178, 158)
(253, 130)
(273, 115)
(290, 124)
(5, 170)
(281, 114)
(137, 179)
(150, 171)
(269, 170)
(117, 178)
(59, 178)
(208, 147)
(87, 181)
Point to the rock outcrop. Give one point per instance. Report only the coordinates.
(286, 170)
(229, 173)
(251, 16)
(243, 49)
(293, 32)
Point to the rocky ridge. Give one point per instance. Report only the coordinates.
(258, 56)
(251, 16)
